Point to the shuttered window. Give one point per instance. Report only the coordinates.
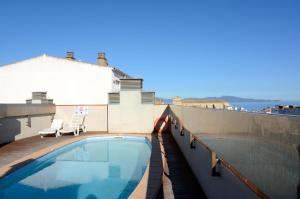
(114, 98)
(148, 98)
(131, 84)
(39, 95)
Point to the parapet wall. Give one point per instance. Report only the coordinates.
(227, 185)
(218, 178)
(197, 120)
(139, 119)
(95, 120)
(18, 121)
(116, 118)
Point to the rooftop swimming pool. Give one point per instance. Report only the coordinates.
(92, 168)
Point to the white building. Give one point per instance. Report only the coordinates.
(66, 80)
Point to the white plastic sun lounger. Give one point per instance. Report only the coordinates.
(76, 125)
(55, 126)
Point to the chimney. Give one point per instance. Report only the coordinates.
(70, 55)
(102, 61)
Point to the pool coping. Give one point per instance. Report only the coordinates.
(148, 187)
(151, 182)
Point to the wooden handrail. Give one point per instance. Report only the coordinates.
(245, 180)
(242, 178)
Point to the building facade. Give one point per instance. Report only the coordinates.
(217, 104)
(66, 80)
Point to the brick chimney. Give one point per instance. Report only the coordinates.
(102, 61)
(70, 55)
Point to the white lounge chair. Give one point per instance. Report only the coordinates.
(76, 125)
(55, 126)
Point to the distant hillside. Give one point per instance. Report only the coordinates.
(226, 98)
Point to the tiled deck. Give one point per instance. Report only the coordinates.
(21, 148)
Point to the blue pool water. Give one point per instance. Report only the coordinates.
(93, 168)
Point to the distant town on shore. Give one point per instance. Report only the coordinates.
(226, 98)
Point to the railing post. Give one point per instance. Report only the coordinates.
(214, 164)
(193, 145)
(182, 131)
(175, 123)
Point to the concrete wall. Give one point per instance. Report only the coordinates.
(198, 120)
(199, 159)
(285, 129)
(15, 123)
(135, 118)
(131, 116)
(18, 121)
(13, 110)
(2, 110)
(96, 119)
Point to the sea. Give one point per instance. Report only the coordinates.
(258, 106)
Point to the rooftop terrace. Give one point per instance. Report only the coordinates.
(183, 164)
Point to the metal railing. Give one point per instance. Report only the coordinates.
(216, 161)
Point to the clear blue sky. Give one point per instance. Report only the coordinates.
(247, 48)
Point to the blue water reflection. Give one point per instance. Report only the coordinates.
(92, 168)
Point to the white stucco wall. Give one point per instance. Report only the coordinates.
(18, 121)
(66, 81)
(131, 116)
(95, 120)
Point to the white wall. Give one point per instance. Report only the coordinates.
(95, 120)
(18, 121)
(131, 116)
(16, 128)
(66, 81)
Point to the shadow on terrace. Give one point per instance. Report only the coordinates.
(178, 180)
